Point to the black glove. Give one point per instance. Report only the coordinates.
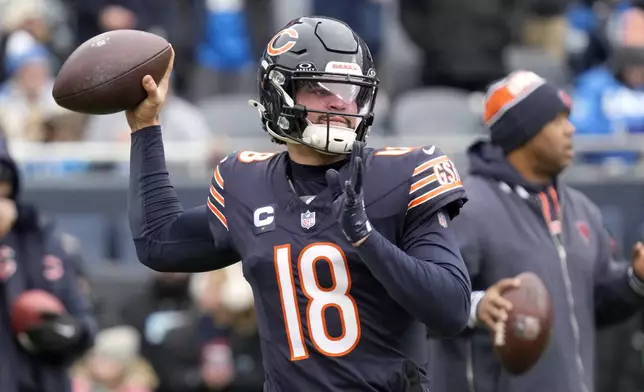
(353, 216)
(57, 335)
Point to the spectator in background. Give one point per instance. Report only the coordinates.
(235, 355)
(220, 349)
(364, 17)
(185, 123)
(586, 44)
(46, 20)
(114, 364)
(225, 62)
(162, 305)
(33, 256)
(182, 22)
(261, 25)
(545, 26)
(462, 41)
(28, 111)
(608, 99)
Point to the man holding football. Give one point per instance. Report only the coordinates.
(521, 217)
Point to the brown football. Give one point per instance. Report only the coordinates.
(529, 324)
(27, 309)
(103, 75)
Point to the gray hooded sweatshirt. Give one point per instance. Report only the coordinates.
(510, 226)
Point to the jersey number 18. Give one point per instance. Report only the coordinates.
(319, 298)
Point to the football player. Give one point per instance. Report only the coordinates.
(348, 250)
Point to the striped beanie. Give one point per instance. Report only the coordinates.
(519, 106)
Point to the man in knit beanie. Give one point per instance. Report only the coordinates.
(521, 218)
(528, 119)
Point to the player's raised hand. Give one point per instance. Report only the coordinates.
(147, 112)
(353, 186)
(353, 216)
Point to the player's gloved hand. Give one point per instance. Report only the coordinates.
(57, 334)
(353, 216)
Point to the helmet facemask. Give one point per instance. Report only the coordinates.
(341, 106)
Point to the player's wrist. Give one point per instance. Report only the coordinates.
(357, 232)
(146, 129)
(361, 241)
(136, 127)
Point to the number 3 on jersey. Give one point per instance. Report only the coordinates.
(319, 298)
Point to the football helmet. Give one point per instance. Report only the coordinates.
(323, 56)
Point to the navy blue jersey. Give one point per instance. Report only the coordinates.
(326, 321)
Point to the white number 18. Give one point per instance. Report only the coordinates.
(319, 298)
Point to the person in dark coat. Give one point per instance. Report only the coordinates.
(34, 256)
(462, 42)
(522, 217)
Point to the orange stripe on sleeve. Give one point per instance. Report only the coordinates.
(424, 198)
(213, 208)
(218, 178)
(422, 183)
(429, 164)
(217, 196)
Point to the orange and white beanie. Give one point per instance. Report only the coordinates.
(518, 106)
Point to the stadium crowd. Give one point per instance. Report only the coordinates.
(183, 333)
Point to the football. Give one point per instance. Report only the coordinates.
(27, 309)
(529, 324)
(103, 75)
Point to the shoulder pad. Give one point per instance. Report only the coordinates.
(429, 173)
(408, 161)
(433, 176)
(240, 165)
(240, 160)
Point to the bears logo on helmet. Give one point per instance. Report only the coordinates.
(288, 45)
(325, 56)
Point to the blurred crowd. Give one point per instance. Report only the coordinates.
(595, 48)
(174, 333)
(197, 333)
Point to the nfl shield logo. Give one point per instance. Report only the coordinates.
(307, 219)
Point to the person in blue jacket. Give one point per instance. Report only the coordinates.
(609, 99)
(34, 256)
